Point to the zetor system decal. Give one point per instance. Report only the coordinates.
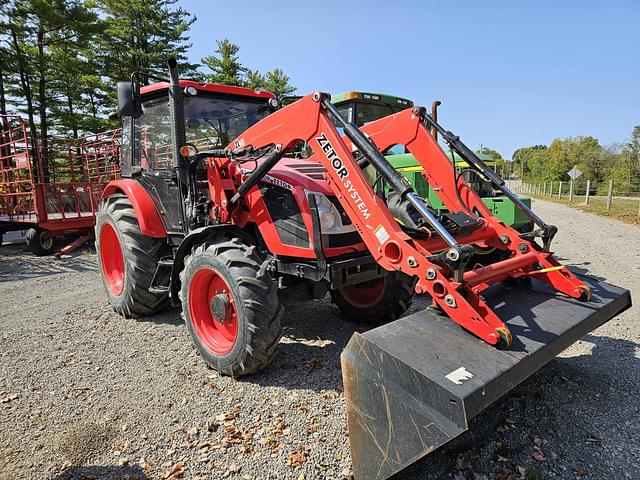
(343, 173)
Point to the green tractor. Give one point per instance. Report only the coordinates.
(362, 108)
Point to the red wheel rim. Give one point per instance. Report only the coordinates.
(111, 259)
(218, 337)
(366, 294)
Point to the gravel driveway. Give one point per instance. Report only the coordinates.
(85, 394)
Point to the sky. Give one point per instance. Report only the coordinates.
(509, 73)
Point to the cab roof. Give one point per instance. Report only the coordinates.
(209, 87)
(371, 97)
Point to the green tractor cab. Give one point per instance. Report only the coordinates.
(363, 107)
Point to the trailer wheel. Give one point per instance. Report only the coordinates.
(376, 301)
(230, 306)
(127, 259)
(39, 242)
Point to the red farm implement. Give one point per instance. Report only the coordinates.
(52, 192)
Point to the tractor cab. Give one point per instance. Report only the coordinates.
(362, 108)
(213, 114)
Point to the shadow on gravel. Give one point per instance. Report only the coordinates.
(18, 264)
(579, 268)
(309, 353)
(168, 316)
(102, 473)
(614, 355)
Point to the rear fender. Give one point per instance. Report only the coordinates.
(148, 216)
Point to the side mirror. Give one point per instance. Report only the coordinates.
(128, 100)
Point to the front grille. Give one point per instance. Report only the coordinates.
(310, 169)
(286, 216)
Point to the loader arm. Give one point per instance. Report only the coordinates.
(439, 261)
(411, 128)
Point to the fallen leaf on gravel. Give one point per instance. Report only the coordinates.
(315, 365)
(287, 366)
(301, 476)
(234, 468)
(145, 464)
(297, 458)
(347, 474)
(9, 398)
(233, 414)
(278, 428)
(192, 432)
(177, 471)
(538, 455)
(314, 427)
(123, 461)
(580, 472)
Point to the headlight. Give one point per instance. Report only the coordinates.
(330, 219)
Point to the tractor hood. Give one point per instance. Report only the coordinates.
(302, 172)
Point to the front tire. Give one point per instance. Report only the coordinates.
(127, 259)
(377, 301)
(39, 242)
(230, 306)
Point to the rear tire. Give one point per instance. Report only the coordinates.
(230, 306)
(127, 259)
(39, 242)
(376, 301)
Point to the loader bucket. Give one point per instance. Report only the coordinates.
(414, 384)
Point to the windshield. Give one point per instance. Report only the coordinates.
(214, 122)
(368, 112)
(211, 121)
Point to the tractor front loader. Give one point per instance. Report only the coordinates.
(223, 228)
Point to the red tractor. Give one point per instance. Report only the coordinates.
(220, 208)
(170, 231)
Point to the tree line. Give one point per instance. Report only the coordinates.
(60, 59)
(598, 163)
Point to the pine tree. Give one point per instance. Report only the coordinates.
(227, 70)
(277, 83)
(225, 65)
(140, 35)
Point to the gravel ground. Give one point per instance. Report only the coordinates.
(85, 394)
